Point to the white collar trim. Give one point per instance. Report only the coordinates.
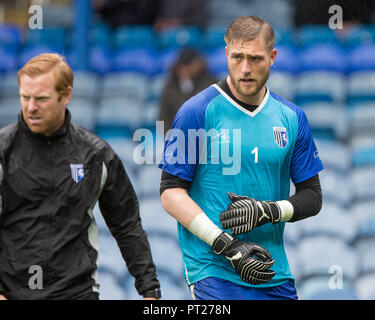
(238, 106)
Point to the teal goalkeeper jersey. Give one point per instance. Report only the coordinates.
(222, 147)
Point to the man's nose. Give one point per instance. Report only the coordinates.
(246, 67)
(32, 105)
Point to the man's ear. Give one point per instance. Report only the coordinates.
(273, 56)
(68, 97)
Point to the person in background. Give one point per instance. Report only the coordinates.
(188, 76)
(52, 173)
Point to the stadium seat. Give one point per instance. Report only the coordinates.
(333, 221)
(100, 35)
(327, 121)
(217, 61)
(85, 85)
(166, 254)
(362, 182)
(110, 288)
(362, 58)
(213, 38)
(327, 57)
(179, 37)
(155, 218)
(282, 83)
(8, 112)
(31, 51)
(166, 58)
(149, 180)
(364, 155)
(47, 36)
(360, 87)
(312, 35)
(83, 113)
(319, 86)
(118, 116)
(156, 87)
(365, 285)
(131, 85)
(317, 288)
(336, 187)
(100, 59)
(10, 36)
(287, 59)
(335, 155)
(134, 36)
(173, 288)
(110, 258)
(8, 59)
(362, 119)
(360, 35)
(365, 248)
(319, 253)
(124, 149)
(140, 60)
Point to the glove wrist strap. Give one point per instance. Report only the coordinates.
(222, 242)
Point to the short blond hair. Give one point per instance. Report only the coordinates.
(247, 28)
(45, 63)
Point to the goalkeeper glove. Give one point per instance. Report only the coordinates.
(251, 261)
(245, 214)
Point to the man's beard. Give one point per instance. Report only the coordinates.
(255, 89)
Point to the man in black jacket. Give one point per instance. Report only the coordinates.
(52, 172)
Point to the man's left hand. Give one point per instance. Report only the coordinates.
(244, 214)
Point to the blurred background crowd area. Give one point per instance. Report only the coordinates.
(135, 62)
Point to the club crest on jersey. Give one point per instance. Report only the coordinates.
(280, 136)
(77, 172)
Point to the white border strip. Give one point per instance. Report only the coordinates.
(238, 106)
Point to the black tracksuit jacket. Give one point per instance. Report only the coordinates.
(46, 217)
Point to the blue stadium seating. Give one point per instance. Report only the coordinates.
(166, 59)
(110, 288)
(362, 119)
(282, 83)
(85, 85)
(360, 87)
(213, 37)
(360, 35)
(142, 60)
(134, 36)
(83, 113)
(336, 187)
(327, 121)
(100, 59)
(318, 253)
(319, 86)
(10, 36)
(311, 35)
(336, 156)
(287, 59)
(31, 51)
(179, 37)
(118, 116)
(8, 59)
(217, 61)
(9, 87)
(323, 57)
(361, 58)
(126, 84)
(325, 223)
(362, 180)
(365, 286)
(56, 36)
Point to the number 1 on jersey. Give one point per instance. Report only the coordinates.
(255, 152)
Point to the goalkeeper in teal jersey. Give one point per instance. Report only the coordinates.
(227, 166)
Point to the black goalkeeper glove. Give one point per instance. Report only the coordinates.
(245, 214)
(251, 261)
